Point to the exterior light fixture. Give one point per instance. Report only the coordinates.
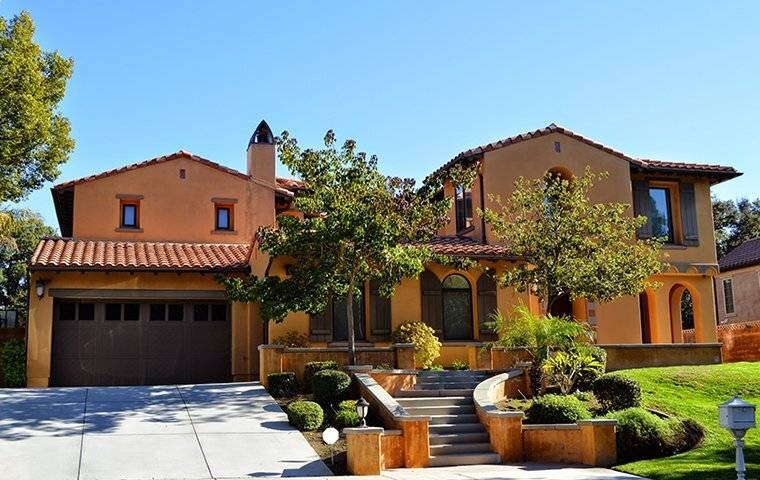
(737, 416)
(39, 288)
(362, 408)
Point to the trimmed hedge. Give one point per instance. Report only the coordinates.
(616, 392)
(556, 409)
(313, 367)
(641, 434)
(305, 416)
(282, 384)
(13, 361)
(346, 415)
(330, 386)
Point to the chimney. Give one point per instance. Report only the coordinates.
(260, 154)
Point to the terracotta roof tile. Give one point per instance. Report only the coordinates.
(723, 172)
(71, 254)
(745, 255)
(285, 186)
(466, 247)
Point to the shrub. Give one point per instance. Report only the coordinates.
(460, 365)
(313, 367)
(13, 362)
(384, 366)
(346, 415)
(282, 384)
(305, 415)
(330, 386)
(292, 339)
(435, 368)
(616, 392)
(556, 409)
(564, 368)
(586, 380)
(426, 345)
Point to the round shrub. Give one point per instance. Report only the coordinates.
(292, 339)
(305, 415)
(282, 384)
(426, 345)
(556, 409)
(330, 386)
(616, 392)
(313, 367)
(641, 434)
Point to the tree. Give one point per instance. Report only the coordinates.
(34, 139)
(570, 246)
(357, 226)
(735, 222)
(24, 230)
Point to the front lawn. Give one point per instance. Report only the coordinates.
(695, 392)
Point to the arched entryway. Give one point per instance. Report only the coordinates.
(562, 307)
(647, 313)
(457, 308)
(684, 311)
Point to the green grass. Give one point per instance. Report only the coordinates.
(695, 392)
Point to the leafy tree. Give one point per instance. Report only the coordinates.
(357, 225)
(34, 138)
(735, 222)
(25, 228)
(569, 245)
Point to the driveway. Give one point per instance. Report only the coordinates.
(139, 433)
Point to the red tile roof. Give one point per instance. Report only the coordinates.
(722, 172)
(285, 186)
(71, 254)
(466, 247)
(745, 255)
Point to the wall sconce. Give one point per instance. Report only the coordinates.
(362, 408)
(39, 288)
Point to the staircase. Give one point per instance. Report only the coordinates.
(456, 435)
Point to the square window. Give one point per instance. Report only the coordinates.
(86, 311)
(67, 311)
(157, 312)
(175, 312)
(129, 215)
(131, 312)
(113, 311)
(200, 312)
(223, 218)
(218, 312)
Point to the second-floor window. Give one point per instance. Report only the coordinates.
(728, 295)
(463, 208)
(670, 208)
(223, 217)
(660, 213)
(130, 215)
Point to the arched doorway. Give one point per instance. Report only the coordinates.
(457, 308)
(562, 307)
(684, 312)
(646, 319)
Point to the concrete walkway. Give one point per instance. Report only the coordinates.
(140, 433)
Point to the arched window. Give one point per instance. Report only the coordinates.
(457, 308)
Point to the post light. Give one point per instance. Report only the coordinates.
(330, 436)
(362, 408)
(737, 416)
(39, 288)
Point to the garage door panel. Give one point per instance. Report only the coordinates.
(121, 339)
(163, 340)
(122, 371)
(75, 371)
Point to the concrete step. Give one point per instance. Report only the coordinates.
(457, 438)
(451, 419)
(489, 458)
(459, 392)
(440, 409)
(454, 373)
(456, 428)
(444, 385)
(452, 448)
(413, 402)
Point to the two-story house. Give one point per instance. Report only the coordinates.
(128, 295)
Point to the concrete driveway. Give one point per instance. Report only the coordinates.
(140, 433)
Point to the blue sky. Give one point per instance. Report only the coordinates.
(413, 82)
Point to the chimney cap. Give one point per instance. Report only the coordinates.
(262, 135)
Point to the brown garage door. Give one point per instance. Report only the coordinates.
(140, 343)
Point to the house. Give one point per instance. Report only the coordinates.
(128, 295)
(737, 286)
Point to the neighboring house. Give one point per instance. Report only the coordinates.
(737, 287)
(128, 295)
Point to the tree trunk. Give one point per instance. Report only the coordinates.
(350, 326)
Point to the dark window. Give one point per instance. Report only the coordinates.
(463, 208)
(728, 295)
(218, 312)
(660, 214)
(457, 308)
(113, 311)
(175, 312)
(86, 311)
(200, 312)
(129, 215)
(340, 319)
(67, 311)
(157, 312)
(223, 218)
(131, 312)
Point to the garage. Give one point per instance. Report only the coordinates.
(139, 342)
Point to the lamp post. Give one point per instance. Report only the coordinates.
(362, 408)
(737, 416)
